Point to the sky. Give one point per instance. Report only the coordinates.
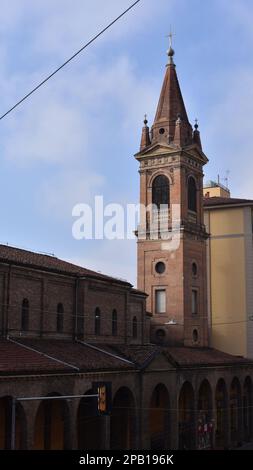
(76, 137)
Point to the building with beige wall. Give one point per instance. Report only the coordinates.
(230, 270)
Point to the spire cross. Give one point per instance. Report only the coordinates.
(170, 36)
(170, 52)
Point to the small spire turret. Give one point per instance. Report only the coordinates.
(145, 137)
(196, 134)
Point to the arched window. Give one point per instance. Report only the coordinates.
(25, 315)
(59, 318)
(192, 194)
(161, 191)
(97, 322)
(194, 269)
(135, 328)
(114, 323)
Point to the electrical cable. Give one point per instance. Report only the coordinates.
(69, 60)
(88, 316)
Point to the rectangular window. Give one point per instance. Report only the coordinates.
(194, 302)
(160, 301)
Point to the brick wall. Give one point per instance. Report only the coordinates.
(44, 291)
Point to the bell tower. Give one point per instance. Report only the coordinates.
(171, 234)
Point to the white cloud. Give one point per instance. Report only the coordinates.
(66, 25)
(50, 132)
(59, 194)
(58, 123)
(118, 83)
(60, 26)
(82, 185)
(11, 13)
(230, 130)
(240, 12)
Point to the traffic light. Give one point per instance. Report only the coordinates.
(104, 399)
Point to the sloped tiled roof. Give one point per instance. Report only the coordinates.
(140, 355)
(38, 356)
(18, 360)
(26, 258)
(79, 355)
(225, 201)
(186, 356)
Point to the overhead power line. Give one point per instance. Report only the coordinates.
(91, 315)
(70, 59)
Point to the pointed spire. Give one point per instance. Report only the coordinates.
(196, 135)
(170, 106)
(145, 137)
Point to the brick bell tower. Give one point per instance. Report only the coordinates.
(171, 173)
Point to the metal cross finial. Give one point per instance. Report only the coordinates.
(170, 52)
(196, 124)
(170, 36)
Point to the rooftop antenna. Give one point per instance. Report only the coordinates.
(227, 178)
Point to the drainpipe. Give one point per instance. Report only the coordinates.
(126, 318)
(13, 423)
(76, 310)
(80, 278)
(6, 326)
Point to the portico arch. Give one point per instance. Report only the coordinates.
(123, 420)
(186, 417)
(89, 424)
(51, 429)
(159, 418)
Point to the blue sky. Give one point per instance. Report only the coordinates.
(76, 137)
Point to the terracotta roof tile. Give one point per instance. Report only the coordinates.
(184, 356)
(138, 291)
(138, 354)
(77, 354)
(51, 263)
(18, 360)
(178, 356)
(225, 201)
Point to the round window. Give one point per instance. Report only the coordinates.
(161, 131)
(195, 336)
(160, 267)
(194, 269)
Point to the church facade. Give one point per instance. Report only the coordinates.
(65, 329)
